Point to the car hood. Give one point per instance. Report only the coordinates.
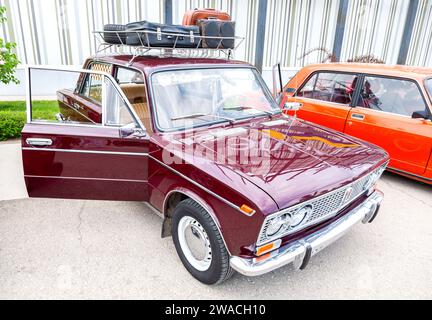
(289, 159)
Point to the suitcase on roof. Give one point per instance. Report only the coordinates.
(220, 29)
(191, 17)
(162, 35)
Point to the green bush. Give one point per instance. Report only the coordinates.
(13, 116)
(8, 58)
(11, 124)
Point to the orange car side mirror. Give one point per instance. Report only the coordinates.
(421, 115)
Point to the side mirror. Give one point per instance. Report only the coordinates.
(131, 130)
(292, 106)
(421, 115)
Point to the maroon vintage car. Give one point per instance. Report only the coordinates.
(240, 186)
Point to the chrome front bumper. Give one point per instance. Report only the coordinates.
(301, 250)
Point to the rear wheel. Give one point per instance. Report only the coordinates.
(199, 243)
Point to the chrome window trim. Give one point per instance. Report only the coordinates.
(84, 178)
(71, 124)
(310, 201)
(85, 151)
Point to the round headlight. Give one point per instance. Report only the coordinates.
(276, 224)
(301, 215)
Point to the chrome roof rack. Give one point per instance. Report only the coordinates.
(197, 51)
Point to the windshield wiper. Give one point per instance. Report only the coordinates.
(240, 108)
(198, 115)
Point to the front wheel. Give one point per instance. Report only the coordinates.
(199, 243)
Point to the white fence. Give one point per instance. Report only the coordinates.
(58, 32)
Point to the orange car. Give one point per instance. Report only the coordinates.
(390, 106)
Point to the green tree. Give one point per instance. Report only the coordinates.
(8, 59)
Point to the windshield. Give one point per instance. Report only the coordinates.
(189, 98)
(429, 87)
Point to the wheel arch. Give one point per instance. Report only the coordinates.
(174, 197)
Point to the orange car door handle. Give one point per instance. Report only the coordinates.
(357, 116)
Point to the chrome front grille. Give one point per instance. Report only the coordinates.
(324, 207)
(334, 202)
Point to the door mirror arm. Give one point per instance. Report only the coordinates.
(292, 106)
(129, 130)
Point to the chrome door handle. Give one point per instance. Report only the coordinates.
(76, 106)
(357, 116)
(39, 142)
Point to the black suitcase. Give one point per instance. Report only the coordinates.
(217, 28)
(115, 34)
(227, 29)
(180, 36)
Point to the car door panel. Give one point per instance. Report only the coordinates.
(326, 98)
(81, 159)
(85, 163)
(327, 114)
(405, 139)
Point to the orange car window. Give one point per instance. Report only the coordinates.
(429, 88)
(308, 88)
(330, 86)
(391, 95)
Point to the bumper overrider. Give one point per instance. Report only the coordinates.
(300, 251)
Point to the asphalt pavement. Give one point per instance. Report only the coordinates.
(62, 249)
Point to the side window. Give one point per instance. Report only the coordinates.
(92, 87)
(131, 82)
(125, 76)
(391, 95)
(57, 101)
(331, 87)
(117, 112)
(308, 88)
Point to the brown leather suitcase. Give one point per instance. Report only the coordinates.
(191, 17)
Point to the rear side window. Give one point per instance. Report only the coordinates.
(331, 87)
(92, 87)
(396, 96)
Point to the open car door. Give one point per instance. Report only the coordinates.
(68, 154)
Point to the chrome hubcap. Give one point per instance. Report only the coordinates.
(195, 243)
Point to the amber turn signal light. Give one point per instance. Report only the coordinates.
(247, 210)
(268, 247)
